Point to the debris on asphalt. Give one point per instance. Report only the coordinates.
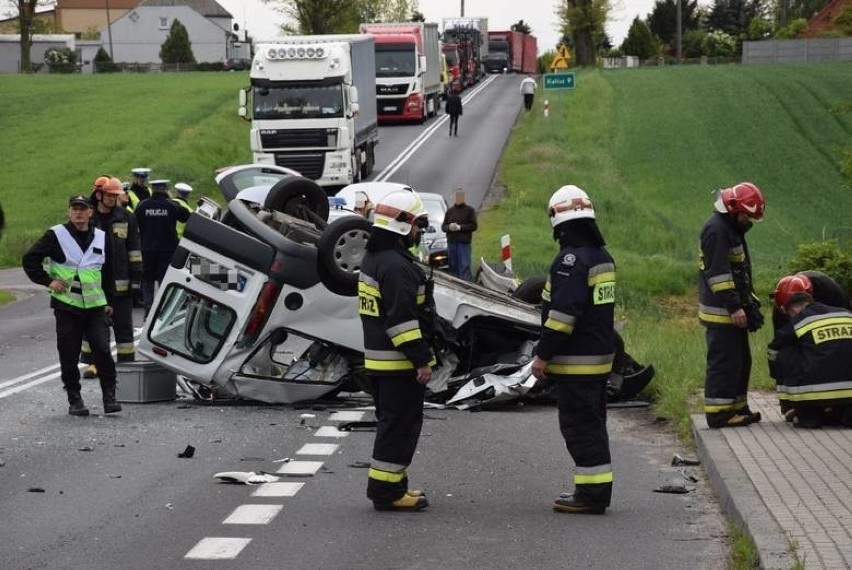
(246, 477)
(35, 490)
(282, 460)
(187, 453)
(358, 426)
(360, 465)
(115, 476)
(252, 459)
(673, 489)
(86, 448)
(688, 477)
(678, 460)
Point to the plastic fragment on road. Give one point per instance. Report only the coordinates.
(673, 489)
(678, 460)
(246, 477)
(187, 453)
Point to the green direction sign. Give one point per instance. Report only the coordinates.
(564, 80)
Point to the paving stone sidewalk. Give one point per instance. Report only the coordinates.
(790, 489)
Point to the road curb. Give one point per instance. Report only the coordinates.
(739, 499)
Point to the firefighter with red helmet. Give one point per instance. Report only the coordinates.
(810, 357)
(577, 346)
(398, 318)
(817, 284)
(728, 307)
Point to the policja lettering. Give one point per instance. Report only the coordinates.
(157, 212)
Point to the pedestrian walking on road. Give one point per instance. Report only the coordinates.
(126, 264)
(157, 218)
(79, 278)
(528, 87)
(459, 224)
(728, 307)
(453, 107)
(577, 346)
(398, 319)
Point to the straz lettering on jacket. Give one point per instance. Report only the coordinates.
(832, 332)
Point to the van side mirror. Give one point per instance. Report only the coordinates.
(423, 66)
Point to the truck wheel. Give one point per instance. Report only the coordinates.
(530, 290)
(340, 250)
(293, 195)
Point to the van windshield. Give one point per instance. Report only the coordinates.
(298, 102)
(191, 325)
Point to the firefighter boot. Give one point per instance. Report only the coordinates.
(567, 503)
(415, 493)
(91, 371)
(110, 405)
(76, 407)
(404, 503)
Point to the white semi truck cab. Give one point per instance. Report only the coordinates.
(312, 106)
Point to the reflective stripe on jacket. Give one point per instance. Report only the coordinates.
(724, 276)
(126, 248)
(81, 270)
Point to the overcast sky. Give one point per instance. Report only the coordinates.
(261, 19)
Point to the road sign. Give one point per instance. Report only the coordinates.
(562, 60)
(564, 80)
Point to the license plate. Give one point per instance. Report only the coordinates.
(390, 109)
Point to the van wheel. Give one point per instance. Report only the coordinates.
(340, 251)
(530, 290)
(295, 196)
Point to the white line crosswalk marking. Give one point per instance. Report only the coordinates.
(217, 548)
(318, 449)
(277, 490)
(253, 514)
(330, 431)
(300, 468)
(346, 416)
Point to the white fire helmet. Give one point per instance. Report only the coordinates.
(398, 211)
(569, 203)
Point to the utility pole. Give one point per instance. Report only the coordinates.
(679, 32)
(462, 9)
(109, 30)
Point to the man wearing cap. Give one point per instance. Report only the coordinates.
(126, 264)
(157, 217)
(138, 191)
(182, 191)
(79, 276)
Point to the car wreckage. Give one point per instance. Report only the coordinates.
(258, 304)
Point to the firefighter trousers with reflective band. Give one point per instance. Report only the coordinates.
(728, 373)
(581, 400)
(399, 415)
(122, 326)
(70, 328)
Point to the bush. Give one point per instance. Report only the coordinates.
(719, 44)
(104, 63)
(826, 256)
(61, 60)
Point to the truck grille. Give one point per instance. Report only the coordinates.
(400, 89)
(308, 164)
(294, 138)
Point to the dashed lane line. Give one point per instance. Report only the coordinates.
(318, 449)
(346, 416)
(277, 489)
(330, 431)
(253, 514)
(300, 468)
(217, 548)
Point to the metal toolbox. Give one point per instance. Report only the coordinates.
(144, 381)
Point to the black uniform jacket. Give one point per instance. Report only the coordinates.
(157, 217)
(724, 275)
(125, 245)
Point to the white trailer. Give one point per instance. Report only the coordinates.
(312, 107)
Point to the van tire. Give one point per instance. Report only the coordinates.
(530, 289)
(340, 249)
(292, 195)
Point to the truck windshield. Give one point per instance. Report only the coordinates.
(395, 60)
(298, 102)
(452, 57)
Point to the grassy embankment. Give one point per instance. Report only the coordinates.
(649, 145)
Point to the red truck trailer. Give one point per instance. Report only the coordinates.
(530, 57)
(511, 51)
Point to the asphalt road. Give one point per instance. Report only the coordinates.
(108, 492)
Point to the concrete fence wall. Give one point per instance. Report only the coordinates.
(798, 51)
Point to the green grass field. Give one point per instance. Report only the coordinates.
(649, 145)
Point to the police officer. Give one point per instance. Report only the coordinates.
(157, 218)
(138, 191)
(398, 318)
(728, 307)
(810, 358)
(182, 192)
(125, 245)
(577, 346)
(80, 280)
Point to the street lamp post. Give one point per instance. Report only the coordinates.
(679, 32)
(109, 30)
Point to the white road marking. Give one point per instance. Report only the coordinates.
(217, 548)
(277, 490)
(300, 468)
(330, 431)
(347, 416)
(253, 514)
(28, 385)
(317, 449)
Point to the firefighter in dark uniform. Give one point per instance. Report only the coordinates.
(398, 318)
(138, 191)
(728, 307)
(120, 225)
(821, 287)
(157, 218)
(810, 358)
(577, 346)
(80, 280)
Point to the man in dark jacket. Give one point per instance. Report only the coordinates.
(577, 346)
(157, 218)
(728, 307)
(453, 107)
(398, 319)
(459, 225)
(124, 241)
(79, 277)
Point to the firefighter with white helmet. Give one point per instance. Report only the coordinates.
(398, 318)
(577, 345)
(728, 307)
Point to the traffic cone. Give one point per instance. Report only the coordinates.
(546, 108)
